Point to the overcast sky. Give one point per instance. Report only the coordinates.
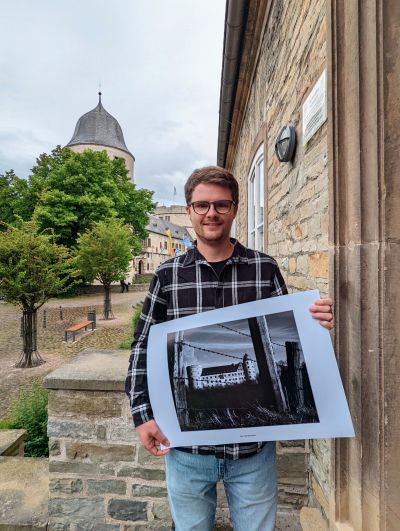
(159, 64)
(282, 327)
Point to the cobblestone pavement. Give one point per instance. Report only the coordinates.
(51, 345)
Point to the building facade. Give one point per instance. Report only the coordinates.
(175, 214)
(165, 240)
(330, 216)
(221, 376)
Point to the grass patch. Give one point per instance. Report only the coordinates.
(126, 343)
(29, 412)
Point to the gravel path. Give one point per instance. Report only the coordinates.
(51, 345)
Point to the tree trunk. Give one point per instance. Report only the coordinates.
(30, 356)
(107, 311)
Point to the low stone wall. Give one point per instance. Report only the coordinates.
(12, 442)
(100, 478)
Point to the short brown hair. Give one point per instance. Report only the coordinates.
(212, 175)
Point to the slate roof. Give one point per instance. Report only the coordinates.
(222, 369)
(159, 226)
(100, 128)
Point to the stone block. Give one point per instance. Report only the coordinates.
(319, 265)
(58, 526)
(149, 526)
(74, 430)
(150, 474)
(76, 508)
(54, 447)
(122, 432)
(65, 485)
(95, 526)
(106, 486)
(101, 432)
(127, 510)
(148, 460)
(291, 466)
(85, 404)
(149, 491)
(95, 453)
(83, 469)
(292, 265)
(161, 511)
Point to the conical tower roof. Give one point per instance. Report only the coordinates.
(98, 127)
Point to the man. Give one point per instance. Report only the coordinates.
(217, 272)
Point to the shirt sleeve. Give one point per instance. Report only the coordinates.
(154, 311)
(278, 284)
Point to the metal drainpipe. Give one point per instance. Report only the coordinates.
(235, 23)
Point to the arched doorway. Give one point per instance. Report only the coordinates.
(141, 267)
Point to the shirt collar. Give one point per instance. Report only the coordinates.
(239, 254)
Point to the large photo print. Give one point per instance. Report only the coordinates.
(240, 374)
(258, 371)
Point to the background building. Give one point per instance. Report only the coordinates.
(177, 215)
(159, 247)
(98, 130)
(330, 216)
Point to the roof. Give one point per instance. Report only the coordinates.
(222, 369)
(160, 226)
(98, 127)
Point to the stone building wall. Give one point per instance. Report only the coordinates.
(175, 214)
(113, 153)
(292, 57)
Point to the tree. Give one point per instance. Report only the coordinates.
(104, 253)
(32, 269)
(14, 203)
(72, 190)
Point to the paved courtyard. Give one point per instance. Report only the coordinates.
(51, 345)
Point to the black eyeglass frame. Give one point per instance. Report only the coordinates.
(231, 202)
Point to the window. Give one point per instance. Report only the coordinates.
(167, 218)
(256, 202)
(149, 242)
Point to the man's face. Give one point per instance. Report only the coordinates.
(212, 226)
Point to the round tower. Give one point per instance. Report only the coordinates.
(249, 368)
(98, 130)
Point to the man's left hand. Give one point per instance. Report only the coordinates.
(322, 310)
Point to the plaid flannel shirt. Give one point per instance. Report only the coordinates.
(185, 285)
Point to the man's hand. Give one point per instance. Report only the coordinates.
(322, 310)
(151, 437)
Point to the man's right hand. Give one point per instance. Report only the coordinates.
(150, 437)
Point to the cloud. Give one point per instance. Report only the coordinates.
(159, 64)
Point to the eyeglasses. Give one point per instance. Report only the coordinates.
(222, 207)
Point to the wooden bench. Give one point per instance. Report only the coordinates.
(76, 328)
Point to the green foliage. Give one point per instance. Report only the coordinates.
(32, 266)
(72, 190)
(14, 201)
(29, 412)
(126, 343)
(104, 252)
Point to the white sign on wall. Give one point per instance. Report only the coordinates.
(315, 109)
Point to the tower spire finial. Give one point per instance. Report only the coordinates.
(99, 92)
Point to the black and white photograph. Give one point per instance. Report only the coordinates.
(239, 374)
(258, 371)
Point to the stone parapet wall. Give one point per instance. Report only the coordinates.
(99, 476)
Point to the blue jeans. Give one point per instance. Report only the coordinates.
(250, 486)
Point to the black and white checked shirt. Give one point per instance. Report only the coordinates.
(185, 285)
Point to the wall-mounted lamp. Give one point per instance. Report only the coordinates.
(285, 144)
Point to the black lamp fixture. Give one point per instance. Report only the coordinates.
(286, 143)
